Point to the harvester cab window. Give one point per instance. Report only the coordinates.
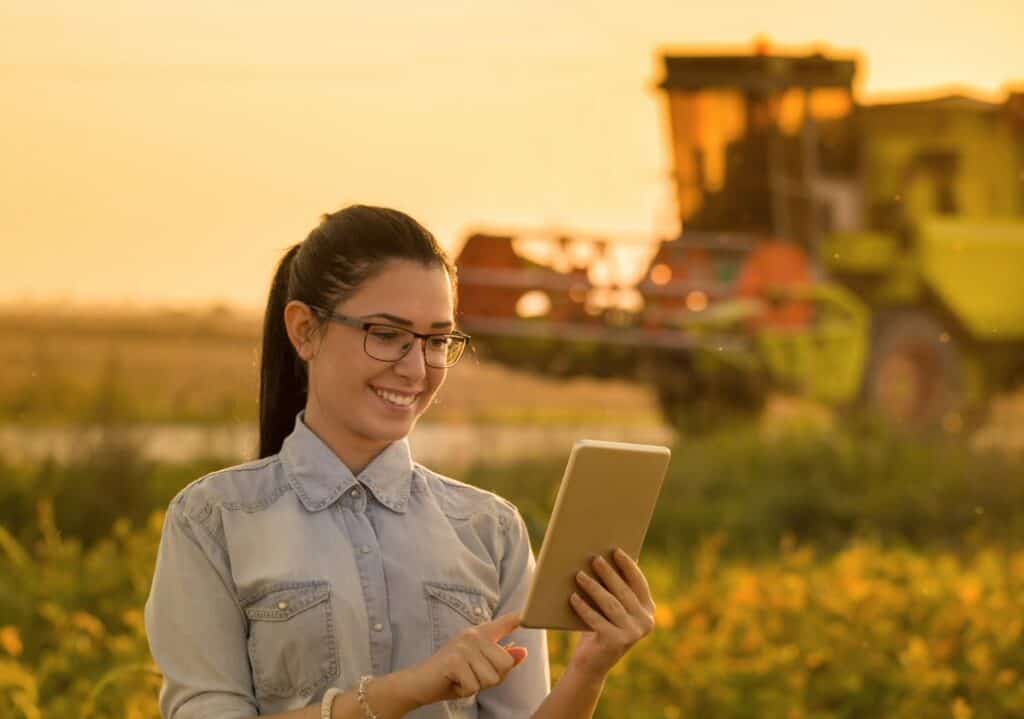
(765, 147)
(722, 143)
(929, 184)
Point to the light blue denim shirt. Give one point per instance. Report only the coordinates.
(279, 578)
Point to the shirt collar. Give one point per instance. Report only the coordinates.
(319, 477)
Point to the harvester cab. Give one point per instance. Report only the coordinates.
(764, 146)
(767, 163)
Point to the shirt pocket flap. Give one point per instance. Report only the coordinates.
(283, 600)
(468, 603)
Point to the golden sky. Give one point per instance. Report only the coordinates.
(160, 152)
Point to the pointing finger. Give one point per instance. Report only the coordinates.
(500, 627)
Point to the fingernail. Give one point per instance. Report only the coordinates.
(602, 561)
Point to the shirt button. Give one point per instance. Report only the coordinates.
(378, 627)
(354, 492)
(365, 549)
(282, 605)
(477, 611)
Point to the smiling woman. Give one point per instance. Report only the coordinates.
(335, 577)
(366, 388)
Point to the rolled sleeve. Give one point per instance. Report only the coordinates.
(196, 629)
(528, 684)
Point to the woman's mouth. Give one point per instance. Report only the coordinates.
(395, 398)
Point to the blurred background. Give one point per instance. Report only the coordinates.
(787, 241)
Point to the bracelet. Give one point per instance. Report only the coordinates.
(328, 702)
(364, 681)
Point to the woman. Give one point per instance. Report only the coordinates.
(334, 577)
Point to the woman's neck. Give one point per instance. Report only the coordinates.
(354, 452)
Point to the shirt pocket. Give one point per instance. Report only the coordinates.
(291, 644)
(453, 608)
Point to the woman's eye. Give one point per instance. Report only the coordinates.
(439, 343)
(386, 335)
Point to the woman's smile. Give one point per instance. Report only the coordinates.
(396, 399)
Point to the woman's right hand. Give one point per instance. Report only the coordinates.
(469, 663)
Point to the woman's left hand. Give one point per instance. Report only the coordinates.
(624, 614)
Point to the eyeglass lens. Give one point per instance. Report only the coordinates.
(390, 344)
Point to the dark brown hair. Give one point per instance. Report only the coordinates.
(346, 249)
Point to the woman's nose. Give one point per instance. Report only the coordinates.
(414, 364)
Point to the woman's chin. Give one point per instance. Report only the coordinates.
(393, 428)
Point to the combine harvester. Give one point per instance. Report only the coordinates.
(867, 256)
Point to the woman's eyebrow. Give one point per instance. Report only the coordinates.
(407, 323)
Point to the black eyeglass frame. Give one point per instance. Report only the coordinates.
(365, 325)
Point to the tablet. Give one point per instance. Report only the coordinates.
(606, 500)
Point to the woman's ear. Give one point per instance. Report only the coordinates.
(301, 326)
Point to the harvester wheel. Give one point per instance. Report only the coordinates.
(915, 377)
(698, 395)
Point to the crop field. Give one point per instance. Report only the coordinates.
(181, 367)
(802, 569)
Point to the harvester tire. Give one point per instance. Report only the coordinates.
(698, 397)
(914, 378)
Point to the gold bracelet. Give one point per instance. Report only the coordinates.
(364, 681)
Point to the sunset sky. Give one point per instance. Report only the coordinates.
(169, 152)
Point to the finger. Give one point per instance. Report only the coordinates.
(486, 674)
(463, 679)
(615, 584)
(500, 627)
(590, 616)
(610, 606)
(634, 577)
(498, 656)
(518, 654)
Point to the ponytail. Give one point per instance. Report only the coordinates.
(282, 373)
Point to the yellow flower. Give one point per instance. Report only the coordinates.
(753, 641)
(961, 709)
(10, 640)
(980, 658)
(156, 521)
(747, 592)
(133, 618)
(815, 659)
(664, 616)
(969, 591)
(88, 624)
(916, 656)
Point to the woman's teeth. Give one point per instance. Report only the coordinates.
(402, 400)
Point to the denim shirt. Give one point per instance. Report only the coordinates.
(279, 578)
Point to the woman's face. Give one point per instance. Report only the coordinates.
(356, 403)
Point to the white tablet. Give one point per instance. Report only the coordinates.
(606, 500)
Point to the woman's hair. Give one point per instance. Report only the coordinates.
(346, 249)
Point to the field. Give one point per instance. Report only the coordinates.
(169, 366)
(802, 569)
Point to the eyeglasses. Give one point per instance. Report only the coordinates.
(388, 343)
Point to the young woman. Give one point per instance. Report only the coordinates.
(334, 577)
